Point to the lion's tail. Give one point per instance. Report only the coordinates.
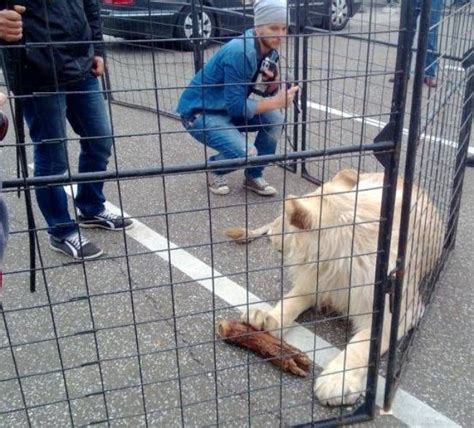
(242, 235)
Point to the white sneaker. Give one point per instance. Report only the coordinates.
(218, 185)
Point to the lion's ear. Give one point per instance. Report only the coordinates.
(297, 214)
(345, 179)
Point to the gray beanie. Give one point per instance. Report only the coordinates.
(270, 12)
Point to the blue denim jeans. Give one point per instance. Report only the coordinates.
(46, 118)
(431, 64)
(227, 136)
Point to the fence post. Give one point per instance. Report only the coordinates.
(412, 144)
(304, 86)
(392, 132)
(296, 75)
(196, 43)
(464, 138)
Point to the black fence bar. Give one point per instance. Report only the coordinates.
(413, 137)
(197, 51)
(180, 169)
(388, 198)
(304, 99)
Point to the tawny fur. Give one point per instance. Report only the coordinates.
(319, 227)
(242, 236)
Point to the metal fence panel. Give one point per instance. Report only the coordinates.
(437, 144)
(131, 338)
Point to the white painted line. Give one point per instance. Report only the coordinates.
(406, 407)
(379, 124)
(413, 412)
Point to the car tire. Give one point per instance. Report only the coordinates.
(207, 28)
(338, 15)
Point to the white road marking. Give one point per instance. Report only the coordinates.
(406, 407)
(379, 124)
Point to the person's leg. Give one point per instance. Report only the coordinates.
(431, 54)
(46, 119)
(269, 127)
(88, 117)
(219, 133)
(418, 4)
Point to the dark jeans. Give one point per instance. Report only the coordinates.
(226, 136)
(46, 118)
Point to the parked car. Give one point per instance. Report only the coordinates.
(138, 19)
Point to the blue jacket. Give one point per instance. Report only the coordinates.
(224, 84)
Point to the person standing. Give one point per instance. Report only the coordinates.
(431, 62)
(58, 75)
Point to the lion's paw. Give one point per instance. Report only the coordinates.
(337, 388)
(262, 320)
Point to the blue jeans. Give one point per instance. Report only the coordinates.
(226, 136)
(431, 64)
(46, 118)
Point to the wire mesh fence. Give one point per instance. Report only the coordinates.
(438, 141)
(131, 338)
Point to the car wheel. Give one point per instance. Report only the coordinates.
(338, 15)
(184, 28)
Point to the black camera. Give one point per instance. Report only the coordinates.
(269, 65)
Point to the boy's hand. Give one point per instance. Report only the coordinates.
(98, 66)
(11, 24)
(285, 98)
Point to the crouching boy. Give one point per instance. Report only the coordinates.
(216, 109)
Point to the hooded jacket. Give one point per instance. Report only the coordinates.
(56, 48)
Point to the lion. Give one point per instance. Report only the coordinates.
(329, 240)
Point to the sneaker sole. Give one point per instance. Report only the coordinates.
(260, 192)
(98, 226)
(221, 192)
(94, 256)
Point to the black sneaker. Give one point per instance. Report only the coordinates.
(75, 246)
(105, 220)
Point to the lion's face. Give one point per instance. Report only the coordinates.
(305, 216)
